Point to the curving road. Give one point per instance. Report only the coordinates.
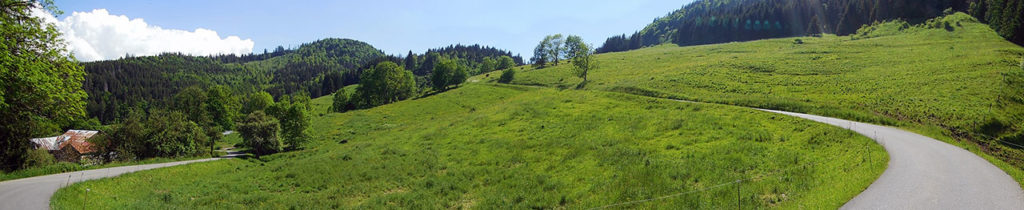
(925, 173)
(35, 192)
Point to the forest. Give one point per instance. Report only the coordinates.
(719, 21)
(313, 69)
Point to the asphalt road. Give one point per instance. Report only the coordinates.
(35, 192)
(925, 173)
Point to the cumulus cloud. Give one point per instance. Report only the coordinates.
(98, 35)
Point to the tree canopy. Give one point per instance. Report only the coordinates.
(259, 133)
(505, 62)
(549, 50)
(385, 83)
(441, 77)
(580, 55)
(40, 84)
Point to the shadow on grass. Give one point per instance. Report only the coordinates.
(582, 85)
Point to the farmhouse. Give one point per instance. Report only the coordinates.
(72, 146)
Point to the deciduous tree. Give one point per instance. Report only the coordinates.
(259, 133)
(385, 83)
(507, 75)
(256, 102)
(505, 62)
(581, 55)
(341, 102)
(172, 134)
(442, 75)
(39, 82)
(459, 76)
(192, 102)
(294, 123)
(218, 105)
(555, 49)
(488, 65)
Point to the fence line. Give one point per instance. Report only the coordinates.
(1012, 143)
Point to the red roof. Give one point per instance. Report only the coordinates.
(78, 140)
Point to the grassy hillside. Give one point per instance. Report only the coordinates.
(492, 146)
(950, 78)
(317, 68)
(721, 21)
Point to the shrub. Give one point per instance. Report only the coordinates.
(172, 134)
(878, 29)
(507, 76)
(38, 158)
(294, 122)
(259, 133)
(505, 62)
(341, 101)
(459, 76)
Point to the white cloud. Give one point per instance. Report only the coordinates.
(98, 35)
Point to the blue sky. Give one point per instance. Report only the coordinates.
(393, 26)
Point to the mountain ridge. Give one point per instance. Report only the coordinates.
(720, 21)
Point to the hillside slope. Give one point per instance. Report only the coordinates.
(951, 78)
(114, 86)
(317, 68)
(720, 21)
(492, 146)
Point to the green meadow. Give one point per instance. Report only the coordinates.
(962, 84)
(508, 146)
(551, 141)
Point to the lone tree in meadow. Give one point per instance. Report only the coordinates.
(507, 76)
(259, 133)
(505, 62)
(441, 77)
(540, 57)
(555, 47)
(341, 101)
(385, 83)
(581, 55)
(294, 122)
(550, 50)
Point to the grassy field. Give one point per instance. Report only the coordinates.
(495, 146)
(955, 84)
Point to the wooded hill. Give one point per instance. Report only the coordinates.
(317, 69)
(719, 21)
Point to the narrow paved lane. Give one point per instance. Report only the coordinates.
(35, 192)
(925, 173)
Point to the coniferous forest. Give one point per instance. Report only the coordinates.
(719, 21)
(314, 69)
